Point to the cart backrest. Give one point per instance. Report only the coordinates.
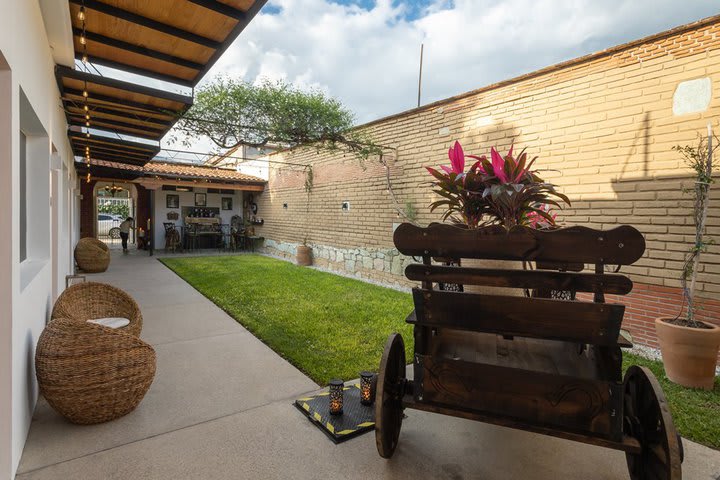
(559, 254)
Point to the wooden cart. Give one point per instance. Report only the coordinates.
(541, 359)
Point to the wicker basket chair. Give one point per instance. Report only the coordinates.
(92, 300)
(92, 255)
(92, 374)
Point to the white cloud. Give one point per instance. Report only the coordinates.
(369, 58)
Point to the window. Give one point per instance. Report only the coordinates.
(23, 197)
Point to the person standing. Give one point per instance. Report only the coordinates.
(125, 232)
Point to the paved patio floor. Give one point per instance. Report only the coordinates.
(220, 408)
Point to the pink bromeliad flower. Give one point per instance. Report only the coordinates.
(457, 159)
(536, 221)
(498, 164)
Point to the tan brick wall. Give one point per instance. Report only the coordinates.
(602, 126)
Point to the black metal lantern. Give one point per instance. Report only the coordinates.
(336, 397)
(366, 388)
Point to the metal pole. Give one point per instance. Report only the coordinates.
(422, 48)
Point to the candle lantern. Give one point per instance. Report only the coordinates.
(366, 388)
(336, 397)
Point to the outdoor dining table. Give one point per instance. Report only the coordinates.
(193, 243)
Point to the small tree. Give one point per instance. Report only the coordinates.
(231, 113)
(700, 159)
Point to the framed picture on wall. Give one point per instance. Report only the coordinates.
(172, 201)
(201, 200)
(226, 203)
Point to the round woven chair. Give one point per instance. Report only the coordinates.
(92, 300)
(92, 374)
(92, 255)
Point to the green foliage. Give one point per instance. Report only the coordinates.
(695, 412)
(326, 325)
(116, 209)
(504, 191)
(411, 212)
(232, 113)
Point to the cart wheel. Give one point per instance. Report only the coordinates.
(647, 419)
(114, 233)
(388, 399)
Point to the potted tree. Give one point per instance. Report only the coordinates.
(303, 254)
(689, 346)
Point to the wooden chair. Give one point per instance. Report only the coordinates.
(172, 237)
(546, 365)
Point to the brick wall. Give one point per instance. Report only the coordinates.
(603, 127)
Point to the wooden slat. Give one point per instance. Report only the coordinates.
(160, 20)
(579, 282)
(626, 444)
(120, 115)
(119, 127)
(532, 354)
(121, 90)
(575, 321)
(553, 401)
(619, 246)
(124, 105)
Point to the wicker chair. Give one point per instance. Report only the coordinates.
(92, 255)
(92, 374)
(91, 300)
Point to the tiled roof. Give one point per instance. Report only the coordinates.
(164, 169)
(184, 170)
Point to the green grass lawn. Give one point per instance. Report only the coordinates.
(326, 325)
(334, 327)
(696, 413)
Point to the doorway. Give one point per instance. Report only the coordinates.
(114, 203)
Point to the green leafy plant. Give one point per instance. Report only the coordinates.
(232, 113)
(700, 160)
(499, 191)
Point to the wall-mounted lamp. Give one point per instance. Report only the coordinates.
(285, 206)
(345, 206)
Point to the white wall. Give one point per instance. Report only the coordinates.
(26, 290)
(187, 199)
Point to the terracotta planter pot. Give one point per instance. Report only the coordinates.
(304, 255)
(689, 354)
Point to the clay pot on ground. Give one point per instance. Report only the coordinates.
(689, 354)
(303, 255)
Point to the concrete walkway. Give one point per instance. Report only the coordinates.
(220, 408)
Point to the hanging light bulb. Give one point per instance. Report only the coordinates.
(87, 124)
(87, 134)
(86, 108)
(87, 116)
(87, 178)
(84, 58)
(85, 93)
(81, 14)
(83, 41)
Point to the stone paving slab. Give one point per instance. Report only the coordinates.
(277, 442)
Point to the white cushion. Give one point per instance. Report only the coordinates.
(112, 322)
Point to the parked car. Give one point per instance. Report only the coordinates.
(106, 221)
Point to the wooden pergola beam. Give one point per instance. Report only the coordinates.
(134, 69)
(242, 23)
(119, 103)
(66, 72)
(148, 52)
(221, 8)
(148, 23)
(80, 138)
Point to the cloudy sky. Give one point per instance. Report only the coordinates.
(366, 52)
